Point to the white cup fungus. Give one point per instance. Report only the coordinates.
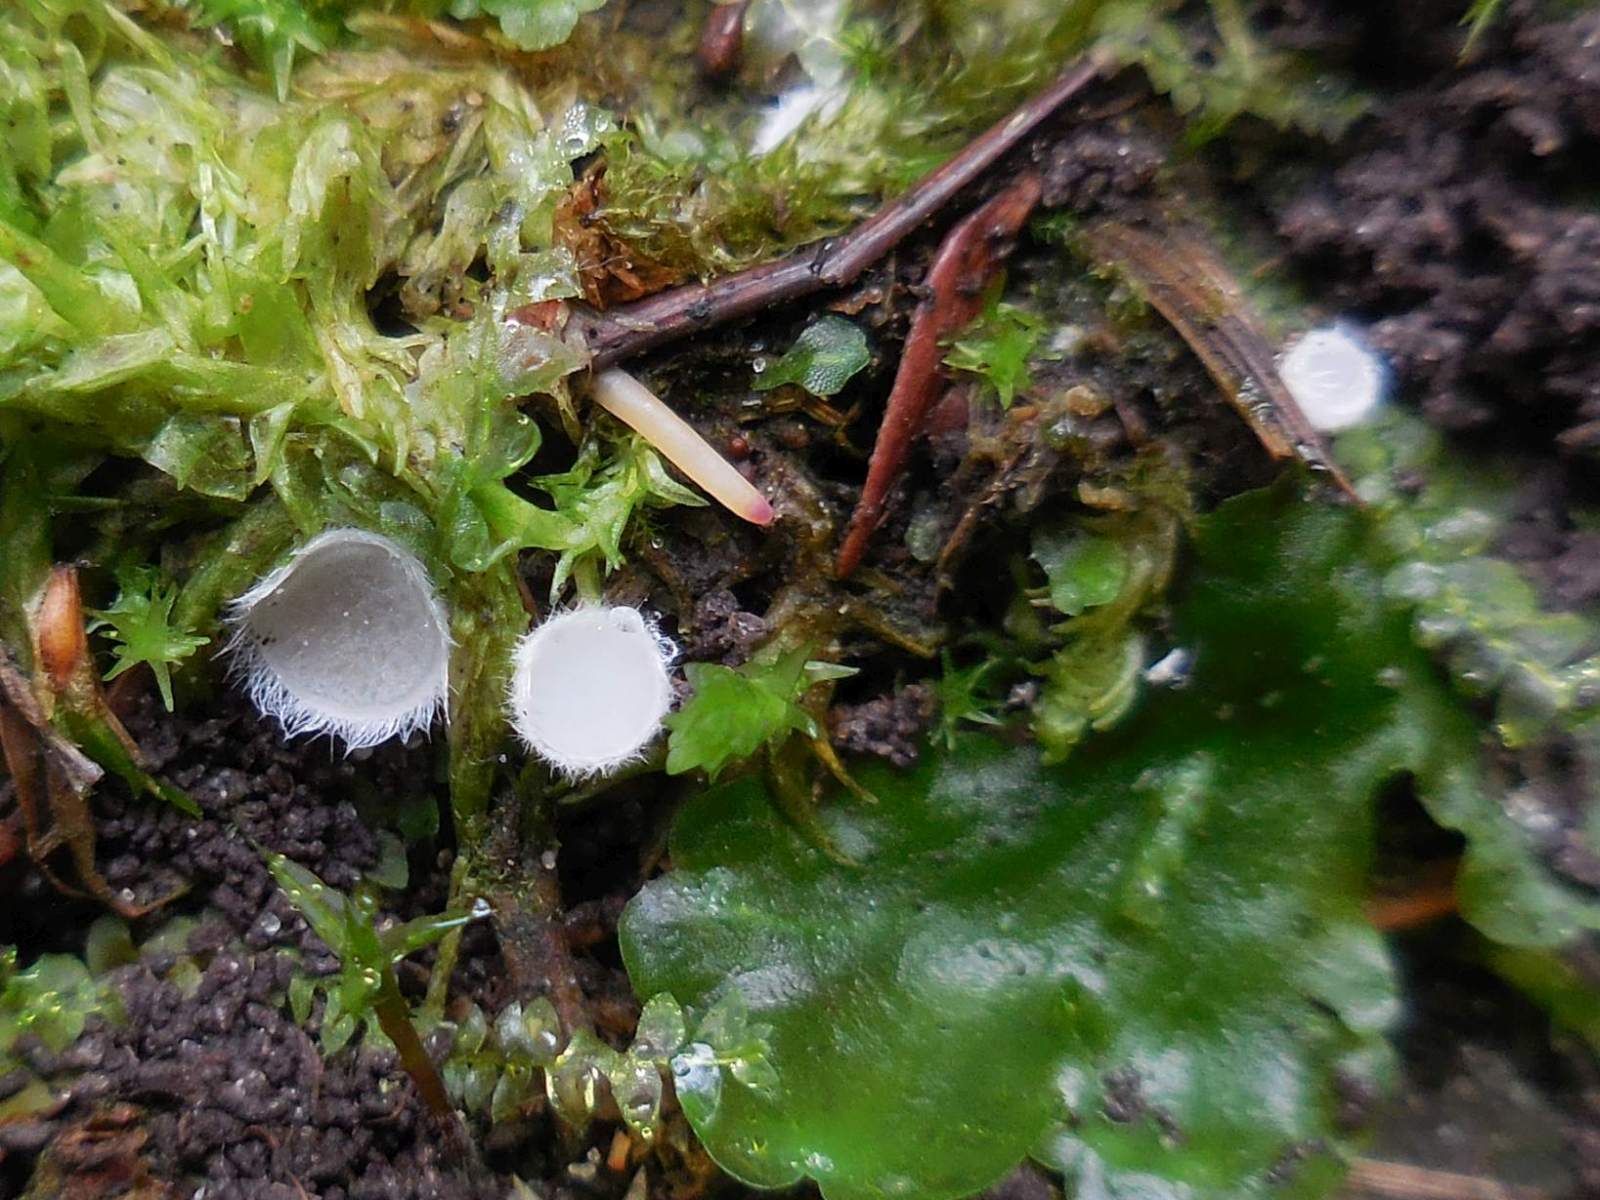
(1337, 379)
(589, 689)
(346, 639)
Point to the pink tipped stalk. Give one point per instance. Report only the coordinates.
(636, 406)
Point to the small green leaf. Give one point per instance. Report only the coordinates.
(1084, 569)
(337, 1032)
(637, 1089)
(733, 713)
(204, 453)
(272, 32)
(327, 911)
(997, 347)
(302, 991)
(1088, 684)
(408, 937)
(826, 355)
(1479, 16)
(531, 24)
(392, 870)
(51, 999)
(661, 1030)
(108, 944)
(574, 1079)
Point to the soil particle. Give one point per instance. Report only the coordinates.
(252, 786)
(721, 631)
(236, 1097)
(1445, 226)
(1124, 1098)
(890, 726)
(1092, 167)
(1027, 1182)
(227, 1092)
(1541, 536)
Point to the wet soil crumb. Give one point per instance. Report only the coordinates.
(236, 1098)
(719, 630)
(1446, 223)
(1562, 562)
(223, 1093)
(892, 727)
(1091, 168)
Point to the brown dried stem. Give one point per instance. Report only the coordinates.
(629, 329)
(1380, 1180)
(1183, 280)
(968, 258)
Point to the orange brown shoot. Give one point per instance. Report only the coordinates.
(967, 260)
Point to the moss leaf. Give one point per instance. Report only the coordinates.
(732, 714)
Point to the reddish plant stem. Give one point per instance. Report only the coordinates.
(394, 1018)
(722, 40)
(629, 329)
(968, 258)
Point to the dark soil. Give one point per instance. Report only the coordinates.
(1461, 221)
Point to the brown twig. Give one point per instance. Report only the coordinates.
(1182, 280)
(1430, 899)
(1380, 1180)
(629, 329)
(968, 257)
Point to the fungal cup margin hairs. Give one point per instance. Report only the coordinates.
(347, 638)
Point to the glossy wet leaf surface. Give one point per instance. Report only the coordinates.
(826, 355)
(1149, 967)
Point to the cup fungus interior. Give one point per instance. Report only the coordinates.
(1336, 379)
(590, 688)
(346, 639)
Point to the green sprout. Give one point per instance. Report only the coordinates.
(365, 991)
(997, 347)
(961, 697)
(140, 622)
(734, 713)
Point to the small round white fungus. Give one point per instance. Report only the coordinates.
(1336, 378)
(347, 638)
(589, 688)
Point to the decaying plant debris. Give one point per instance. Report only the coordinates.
(1081, 777)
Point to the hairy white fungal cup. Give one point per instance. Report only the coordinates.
(347, 638)
(589, 689)
(1337, 379)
